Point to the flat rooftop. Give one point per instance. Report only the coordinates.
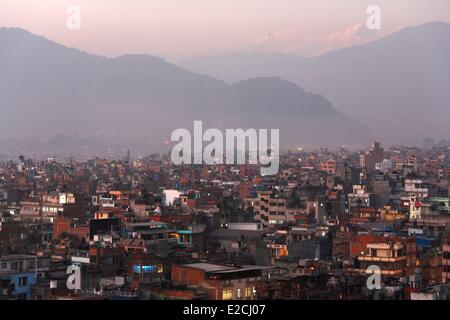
(17, 257)
(208, 267)
(217, 268)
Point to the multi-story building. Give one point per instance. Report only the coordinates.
(416, 188)
(219, 281)
(30, 210)
(372, 157)
(270, 209)
(391, 258)
(359, 197)
(328, 166)
(18, 272)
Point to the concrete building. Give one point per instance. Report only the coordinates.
(390, 257)
(18, 272)
(270, 209)
(359, 197)
(219, 281)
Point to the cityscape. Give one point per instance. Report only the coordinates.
(143, 228)
(224, 158)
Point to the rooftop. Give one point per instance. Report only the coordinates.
(216, 268)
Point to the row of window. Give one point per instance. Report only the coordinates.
(29, 265)
(275, 213)
(51, 209)
(12, 266)
(279, 204)
(239, 293)
(33, 209)
(276, 221)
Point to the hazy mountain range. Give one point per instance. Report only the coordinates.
(399, 86)
(48, 90)
(301, 41)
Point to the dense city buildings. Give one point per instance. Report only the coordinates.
(145, 228)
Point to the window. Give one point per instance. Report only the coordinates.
(227, 294)
(23, 281)
(4, 265)
(239, 293)
(248, 292)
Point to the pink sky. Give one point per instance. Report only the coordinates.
(174, 28)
